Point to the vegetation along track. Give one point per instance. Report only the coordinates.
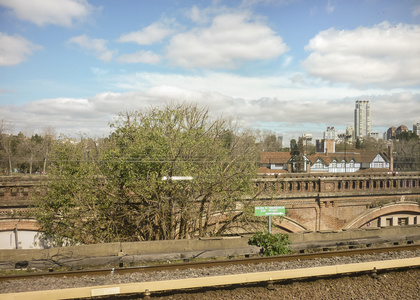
(211, 263)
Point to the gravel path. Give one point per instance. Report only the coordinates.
(46, 283)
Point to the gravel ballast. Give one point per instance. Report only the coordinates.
(49, 283)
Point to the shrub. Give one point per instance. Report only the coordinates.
(271, 244)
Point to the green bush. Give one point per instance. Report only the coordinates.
(271, 244)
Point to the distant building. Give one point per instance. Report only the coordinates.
(350, 133)
(374, 135)
(330, 134)
(401, 129)
(416, 129)
(307, 136)
(390, 133)
(362, 119)
(280, 140)
(325, 146)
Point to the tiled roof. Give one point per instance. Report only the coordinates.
(360, 156)
(275, 157)
(365, 156)
(264, 170)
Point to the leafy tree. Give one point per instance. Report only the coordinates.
(71, 209)
(299, 158)
(271, 244)
(122, 194)
(358, 144)
(297, 152)
(294, 148)
(407, 136)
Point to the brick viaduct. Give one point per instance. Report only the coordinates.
(313, 202)
(317, 202)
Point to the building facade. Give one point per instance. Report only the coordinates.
(350, 133)
(401, 129)
(277, 163)
(390, 133)
(330, 134)
(416, 129)
(362, 119)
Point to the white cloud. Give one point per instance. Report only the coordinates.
(231, 39)
(287, 61)
(330, 7)
(289, 117)
(383, 55)
(196, 15)
(66, 115)
(99, 72)
(205, 15)
(236, 86)
(145, 57)
(249, 3)
(60, 106)
(42, 12)
(416, 10)
(395, 109)
(6, 91)
(15, 49)
(97, 46)
(151, 34)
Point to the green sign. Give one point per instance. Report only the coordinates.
(270, 211)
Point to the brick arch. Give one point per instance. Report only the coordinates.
(381, 211)
(289, 225)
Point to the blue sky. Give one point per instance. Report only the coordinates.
(289, 66)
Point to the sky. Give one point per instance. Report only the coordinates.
(286, 66)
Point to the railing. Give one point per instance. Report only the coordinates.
(19, 189)
(325, 183)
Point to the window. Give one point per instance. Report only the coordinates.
(318, 166)
(402, 221)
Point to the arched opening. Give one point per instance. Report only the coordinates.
(393, 214)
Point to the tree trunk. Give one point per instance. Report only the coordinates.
(10, 165)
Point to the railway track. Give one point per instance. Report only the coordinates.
(269, 280)
(208, 264)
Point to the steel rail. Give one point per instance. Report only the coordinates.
(213, 263)
(145, 288)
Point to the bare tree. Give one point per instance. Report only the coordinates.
(6, 144)
(30, 149)
(48, 139)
